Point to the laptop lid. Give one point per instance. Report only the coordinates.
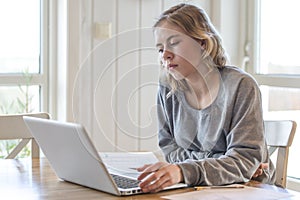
(71, 154)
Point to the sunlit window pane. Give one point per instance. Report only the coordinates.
(20, 36)
(283, 103)
(19, 99)
(279, 37)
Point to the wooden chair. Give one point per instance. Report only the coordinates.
(279, 136)
(13, 127)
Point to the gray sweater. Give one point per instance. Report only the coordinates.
(221, 144)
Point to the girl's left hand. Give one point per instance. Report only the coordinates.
(157, 176)
(260, 169)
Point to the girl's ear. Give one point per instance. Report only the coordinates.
(203, 44)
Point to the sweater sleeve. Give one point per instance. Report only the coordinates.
(246, 147)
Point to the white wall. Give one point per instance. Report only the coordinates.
(112, 82)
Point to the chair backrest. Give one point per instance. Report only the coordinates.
(279, 136)
(13, 127)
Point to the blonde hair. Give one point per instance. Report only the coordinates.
(196, 24)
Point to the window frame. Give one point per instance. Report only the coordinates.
(277, 80)
(251, 53)
(41, 79)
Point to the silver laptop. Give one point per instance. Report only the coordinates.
(74, 158)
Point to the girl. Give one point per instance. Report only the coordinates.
(210, 114)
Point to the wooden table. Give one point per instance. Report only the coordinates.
(34, 179)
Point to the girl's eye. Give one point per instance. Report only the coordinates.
(160, 50)
(174, 43)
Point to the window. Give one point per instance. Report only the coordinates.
(23, 60)
(23, 57)
(279, 37)
(276, 63)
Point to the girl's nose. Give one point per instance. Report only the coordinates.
(167, 55)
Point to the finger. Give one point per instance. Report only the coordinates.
(155, 166)
(139, 169)
(151, 179)
(143, 175)
(264, 165)
(255, 175)
(150, 169)
(159, 185)
(258, 173)
(164, 185)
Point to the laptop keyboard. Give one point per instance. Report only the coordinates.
(124, 182)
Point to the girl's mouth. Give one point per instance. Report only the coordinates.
(172, 66)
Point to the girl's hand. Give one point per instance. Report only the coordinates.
(157, 176)
(260, 169)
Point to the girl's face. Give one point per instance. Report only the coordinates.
(179, 53)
